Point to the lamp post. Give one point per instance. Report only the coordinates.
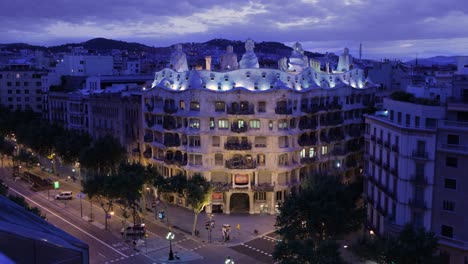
(170, 236)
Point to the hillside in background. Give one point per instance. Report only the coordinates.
(437, 60)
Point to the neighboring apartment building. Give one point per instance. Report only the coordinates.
(27, 238)
(255, 133)
(21, 87)
(416, 168)
(400, 162)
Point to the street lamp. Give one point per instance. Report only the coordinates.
(170, 236)
(229, 260)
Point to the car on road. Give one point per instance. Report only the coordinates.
(64, 196)
(134, 230)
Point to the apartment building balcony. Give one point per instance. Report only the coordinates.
(417, 205)
(221, 186)
(170, 123)
(417, 154)
(241, 110)
(395, 148)
(335, 106)
(239, 129)
(308, 160)
(379, 141)
(418, 179)
(355, 132)
(170, 109)
(461, 149)
(174, 161)
(312, 109)
(335, 121)
(453, 125)
(148, 138)
(239, 162)
(283, 110)
(372, 137)
(307, 123)
(339, 152)
(238, 146)
(306, 141)
(171, 140)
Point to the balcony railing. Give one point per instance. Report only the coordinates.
(312, 109)
(238, 146)
(240, 164)
(395, 148)
(339, 152)
(241, 110)
(177, 162)
(454, 147)
(307, 124)
(420, 154)
(283, 110)
(308, 160)
(172, 142)
(150, 122)
(170, 109)
(334, 106)
(149, 107)
(306, 142)
(235, 128)
(263, 187)
(147, 154)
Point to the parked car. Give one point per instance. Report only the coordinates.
(134, 230)
(64, 196)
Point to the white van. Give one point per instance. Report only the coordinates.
(64, 196)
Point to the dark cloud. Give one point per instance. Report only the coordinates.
(164, 23)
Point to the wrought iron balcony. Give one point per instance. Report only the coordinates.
(263, 187)
(241, 164)
(171, 141)
(170, 109)
(238, 146)
(307, 123)
(150, 122)
(335, 106)
(147, 154)
(235, 128)
(283, 110)
(175, 161)
(339, 152)
(306, 142)
(248, 110)
(308, 160)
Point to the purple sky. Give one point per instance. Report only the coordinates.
(387, 28)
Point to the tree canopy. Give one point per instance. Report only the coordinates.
(324, 209)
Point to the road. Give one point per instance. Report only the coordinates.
(108, 246)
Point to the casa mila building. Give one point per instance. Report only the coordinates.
(256, 133)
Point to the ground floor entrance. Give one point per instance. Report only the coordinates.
(239, 203)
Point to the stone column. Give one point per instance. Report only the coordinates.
(271, 202)
(251, 203)
(227, 203)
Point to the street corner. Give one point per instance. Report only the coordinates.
(179, 256)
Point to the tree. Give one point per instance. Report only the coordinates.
(26, 157)
(19, 200)
(6, 148)
(70, 144)
(323, 210)
(103, 156)
(100, 188)
(411, 246)
(198, 194)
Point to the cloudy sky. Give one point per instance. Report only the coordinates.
(386, 28)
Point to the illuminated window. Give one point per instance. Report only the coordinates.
(223, 124)
(194, 123)
(324, 150)
(254, 124)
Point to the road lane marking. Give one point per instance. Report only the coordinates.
(97, 239)
(101, 255)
